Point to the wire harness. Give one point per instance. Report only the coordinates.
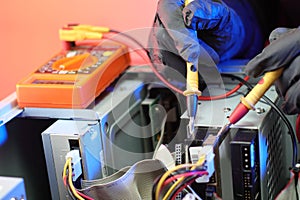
(71, 166)
(175, 180)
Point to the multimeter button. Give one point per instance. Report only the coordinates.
(107, 53)
(63, 72)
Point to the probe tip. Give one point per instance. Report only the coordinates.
(224, 129)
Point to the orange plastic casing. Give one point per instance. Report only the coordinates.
(66, 81)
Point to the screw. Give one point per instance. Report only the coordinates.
(226, 109)
(260, 110)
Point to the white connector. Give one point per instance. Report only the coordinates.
(207, 151)
(76, 164)
(189, 196)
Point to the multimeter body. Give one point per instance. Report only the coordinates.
(73, 78)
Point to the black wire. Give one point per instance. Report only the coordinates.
(297, 195)
(153, 65)
(177, 172)
(278, 111)
(154, 186)
(296, 171)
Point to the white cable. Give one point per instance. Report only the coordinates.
(162, 132)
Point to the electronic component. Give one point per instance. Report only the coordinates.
(245, 165)
(107, 136)
(65, 136)
(75, 162)
(196, 153)
(75, 77)
(12, 188)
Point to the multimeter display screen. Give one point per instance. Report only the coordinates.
(60, 82)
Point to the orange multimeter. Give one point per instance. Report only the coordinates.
(73, 78)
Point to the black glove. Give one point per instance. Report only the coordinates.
(282, 52)
(206, 25)
(217, 26)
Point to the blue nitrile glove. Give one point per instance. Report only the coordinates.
(282, 52)
(188, 31)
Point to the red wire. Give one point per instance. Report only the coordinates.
(203, 98)
(146, 58)
(65, 180)
(84, 196)
(81, 194)
(217, 196)
(236, 88)
(172, 178)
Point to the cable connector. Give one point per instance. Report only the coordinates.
(196, 153)
(75, 162)
(189, 196)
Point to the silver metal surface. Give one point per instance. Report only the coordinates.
(110, 141)
(212, 112)
(275, 147)
(120, 125)
(56, 143)
(9, 108)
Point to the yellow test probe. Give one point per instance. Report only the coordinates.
(191, 94)
(247, 103)
(77, 32)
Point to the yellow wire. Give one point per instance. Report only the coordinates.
(166, 174)
(70, 181)
(65, 168)
(172, 188)
(199, 163)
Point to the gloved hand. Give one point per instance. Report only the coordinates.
(217, 26)
(206, 25)
(282, 52)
